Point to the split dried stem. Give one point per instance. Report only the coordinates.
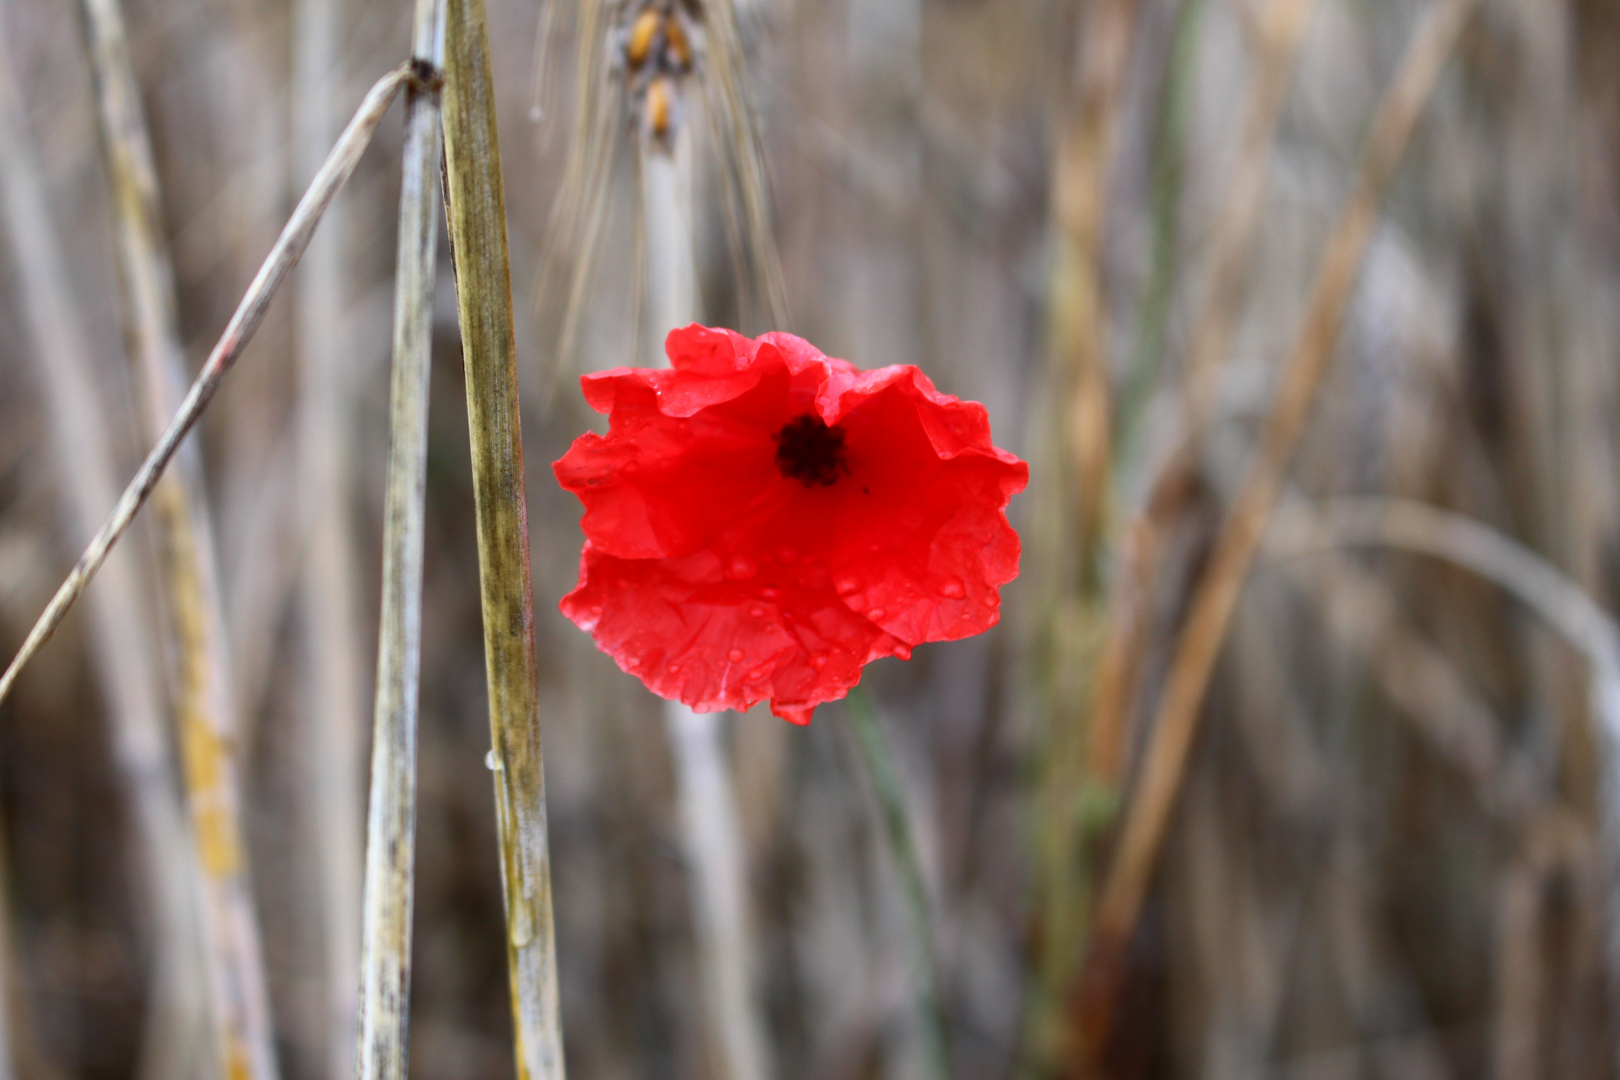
(389, 888)
(238, 332)
(477, 211)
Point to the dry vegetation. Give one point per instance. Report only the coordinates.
(1292, 756)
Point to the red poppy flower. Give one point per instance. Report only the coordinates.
(761, 520)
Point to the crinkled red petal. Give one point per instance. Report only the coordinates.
(720, 582)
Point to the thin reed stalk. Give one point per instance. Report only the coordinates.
(704, 782)
(878, 761)
(238, 332)
(333, 705)
(1087, 119)
(1147, 816)
(126, 669)
(477, 212)
(385, 931)
(203, 697)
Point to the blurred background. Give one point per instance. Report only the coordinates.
(1294, 264)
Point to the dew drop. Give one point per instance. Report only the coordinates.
(522, 928)
(903, 651)
(755, 674)
(787, 553)
(846, 586)
(491, 762)
(876, 613)
(734, 655)
(769, 593)
(757, 612)
(673, 669)
(741, 568)
(596, 609)
(952, 588)
(818, 660)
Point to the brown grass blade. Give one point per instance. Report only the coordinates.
(478, 242)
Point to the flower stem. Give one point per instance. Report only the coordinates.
(879, 763)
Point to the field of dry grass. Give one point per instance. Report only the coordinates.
(1296, 751)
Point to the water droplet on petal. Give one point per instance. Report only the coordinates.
(596, 609)
(673, 669)
(787, 553)
(952, 588)
(741, 568)
(876, 613)
(846, 586)
(769, 593)
(903, 651)
(756, 674)
(734, 655)
(818, 661)
(757, 612)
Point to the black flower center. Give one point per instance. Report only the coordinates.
(809, 451)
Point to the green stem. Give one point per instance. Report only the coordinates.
(879, 763)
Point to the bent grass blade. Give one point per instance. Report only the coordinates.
(238, 332)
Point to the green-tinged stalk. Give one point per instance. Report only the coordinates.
(238, 332)
(1169, 161)
(477, 213)
(126, 668)
(878, 761)
(1072, 538)
(333, 705)
(385, 932)
(205, 710)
